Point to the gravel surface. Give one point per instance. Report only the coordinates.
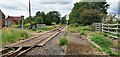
(52, 47)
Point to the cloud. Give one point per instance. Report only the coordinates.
(20, 7)
(113, 6)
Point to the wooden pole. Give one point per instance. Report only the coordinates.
(29, 9)
(30, 13)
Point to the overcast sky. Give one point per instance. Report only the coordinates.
(20, 7)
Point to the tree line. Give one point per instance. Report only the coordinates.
(42, 18)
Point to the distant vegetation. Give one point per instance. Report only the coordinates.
(41, 17)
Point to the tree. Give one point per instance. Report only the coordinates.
(39, 17)
(86, 13)
(28, 20)
(52, 16)
(63, 21)
(38, 20)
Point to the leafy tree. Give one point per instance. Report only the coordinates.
(86, 13)
(39, 17)
(53, 16)
(38, 20)
(63, 21)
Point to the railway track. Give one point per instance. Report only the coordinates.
(17, 49)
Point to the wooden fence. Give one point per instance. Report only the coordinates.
(113, 30)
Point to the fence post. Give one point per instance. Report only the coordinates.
(108, 28)
(117, 29)
(102, 27)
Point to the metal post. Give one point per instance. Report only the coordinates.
(22, 18)
(67, 18)
(117, 29)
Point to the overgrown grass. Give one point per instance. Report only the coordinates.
(45, 28)
(78, 28)
(73, 28)
(104, 42)
(85, 28)
(11, 35)
(63, 41)
(42, 29)
(101, 39)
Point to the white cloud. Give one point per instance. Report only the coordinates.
(113, 6)
(19, 7)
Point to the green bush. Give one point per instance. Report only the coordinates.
(53, 23)
(27, 25)
(63, 41)
(82, 33)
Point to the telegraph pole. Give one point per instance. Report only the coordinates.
(30, 13)
(29, 9)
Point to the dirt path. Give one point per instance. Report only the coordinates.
(78, 46)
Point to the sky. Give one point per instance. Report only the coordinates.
(20, 7)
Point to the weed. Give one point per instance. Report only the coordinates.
(82, 33)
(63, 41)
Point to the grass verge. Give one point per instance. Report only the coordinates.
(11, 35)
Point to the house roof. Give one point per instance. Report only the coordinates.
(14, 17)
(2, 15)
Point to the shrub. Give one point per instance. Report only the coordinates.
(53, 23)
(82, 33)
(27, 25)
(63, 41)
